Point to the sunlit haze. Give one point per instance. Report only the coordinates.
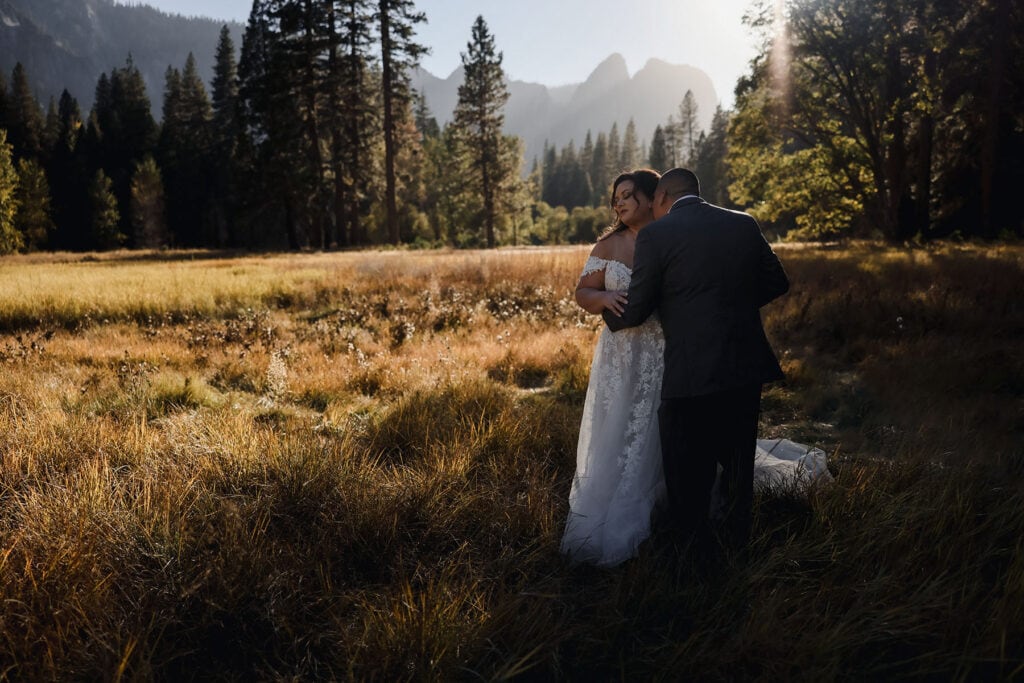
(561, 42)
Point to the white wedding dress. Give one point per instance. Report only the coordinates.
(619, 479)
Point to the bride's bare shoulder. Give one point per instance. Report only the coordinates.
(609, 247)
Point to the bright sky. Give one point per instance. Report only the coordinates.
(555, 42)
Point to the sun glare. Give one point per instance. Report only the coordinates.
(780, 55)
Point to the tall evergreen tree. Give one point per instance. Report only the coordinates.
(271, 110)
(10, 239)
(147, 206)
(689, 129)
(479, 117)
(122, 130)
(396, 21)
(614, 155)
(51, 129)
(69, 179)
(5, 103)
(426, 123)
(600, 169)
(630, 155)
(186, 153)
(658, 156)
(225, 134)
(710, 160)
(549, 164)
(25, 117)
(34, 219)
(354, 115)
(105, 217)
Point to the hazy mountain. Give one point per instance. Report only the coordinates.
(538, 113)
(69, 43)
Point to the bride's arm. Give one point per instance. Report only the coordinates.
(592, 297)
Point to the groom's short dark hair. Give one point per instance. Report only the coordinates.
(678, 182)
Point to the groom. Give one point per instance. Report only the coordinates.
(706, 271)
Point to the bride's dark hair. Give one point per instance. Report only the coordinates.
(645, 182)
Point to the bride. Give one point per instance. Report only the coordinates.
(619, 478)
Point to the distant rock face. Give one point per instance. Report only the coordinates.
(538, 113)
(69, 43)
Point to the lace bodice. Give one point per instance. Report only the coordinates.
(616, 273)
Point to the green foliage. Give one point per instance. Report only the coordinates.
(478, 120)
(148, 206)
(25, 117)
(875, 114)
(710, 163)
(106, 218)
(658, 156)
(33, 219)
(10, 238)
(399, 53)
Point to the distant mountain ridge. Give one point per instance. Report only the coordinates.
(69, 43)
(538, 113)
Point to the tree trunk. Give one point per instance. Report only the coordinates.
(387, 78)
(990, 141)
(488, 193)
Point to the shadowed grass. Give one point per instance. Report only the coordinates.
(356, 466)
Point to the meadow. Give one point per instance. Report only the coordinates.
(356, 466)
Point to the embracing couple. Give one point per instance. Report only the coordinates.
(675, 385)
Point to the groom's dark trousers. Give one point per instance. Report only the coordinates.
(698, 433)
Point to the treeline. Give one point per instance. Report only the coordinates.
(866, 118)
(896, 118)
(580, 177)
(309, 137)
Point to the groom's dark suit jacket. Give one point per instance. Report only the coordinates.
(707, 271)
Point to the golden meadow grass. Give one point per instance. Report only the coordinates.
(355, 466)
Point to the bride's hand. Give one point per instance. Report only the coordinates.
(615, 302)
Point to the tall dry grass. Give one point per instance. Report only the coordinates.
(355, 466)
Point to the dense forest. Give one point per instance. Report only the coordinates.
(859, 118)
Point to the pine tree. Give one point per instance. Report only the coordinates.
(658, 157)
(426, 123)
(266, 116)
(25, 117)
(105, 216)
(225, 92)
(67, 172)
(147, 206)
(10, 239)
(5, 103)
(33, 219)
(225, 136)
(614, 155)
(51, 129)
(549, 172)
(188, 173)
(587, 157)
(689, 130)
(710, 160)
(479, 117)
(629, 155)
(600, 167)
(396, 20)
(354, 115)
(122, 130)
